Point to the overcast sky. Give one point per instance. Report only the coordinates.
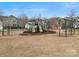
(45, 9)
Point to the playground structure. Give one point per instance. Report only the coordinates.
(39, 26)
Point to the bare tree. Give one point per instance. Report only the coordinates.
(72, 17)
(23, 16)
(72, 14)
(22, 19)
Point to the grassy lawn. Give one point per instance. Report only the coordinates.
(39, 45)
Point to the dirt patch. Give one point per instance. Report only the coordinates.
(38, 33)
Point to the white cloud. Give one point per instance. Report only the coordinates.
(38, 10)
(70, 4)
(29, 10)
(15, 9)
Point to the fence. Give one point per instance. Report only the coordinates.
(66, 29)
(8, 30)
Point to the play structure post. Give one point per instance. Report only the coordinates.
(59, 22)
(65, 27)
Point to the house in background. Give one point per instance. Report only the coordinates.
(75, 21)
(1, 26)
(8, 20)
(13, 21)
(76, 24)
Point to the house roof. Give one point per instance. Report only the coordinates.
(3, 18)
